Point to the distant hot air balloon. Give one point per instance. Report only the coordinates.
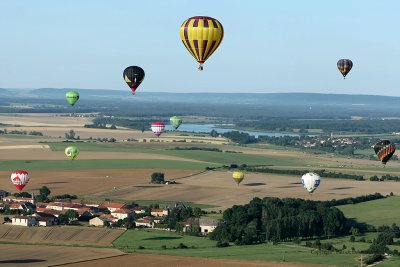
(175, 122)
(238, 176)
(157, 128)
(20, 179)
(72, 97)
(384, 150)
(71, 152)
(201, 37)
(133, 76)
(344, 66)
(310, 181)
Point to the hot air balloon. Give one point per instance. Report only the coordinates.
(175, 122)
(133, 76)
(238, 176)
(310, 181)
(20, 179)
(344, 66)
(201, 37)
(71, 152)
(72, 97)
(384, 150)
(157, 128)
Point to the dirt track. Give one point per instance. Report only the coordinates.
(150, 260)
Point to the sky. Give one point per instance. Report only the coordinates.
(269, 46)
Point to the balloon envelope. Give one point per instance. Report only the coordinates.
(344, 66)
(201, 36)
(133, 76)
(310, 181)
(157, 128)
(20, 178)
(175, 122)
(238, 176)
(71, 152)
(72, 97)
(384, 150)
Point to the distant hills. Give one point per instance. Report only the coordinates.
(267, 99)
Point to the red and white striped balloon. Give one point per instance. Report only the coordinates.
(157, 128)
(20, 179)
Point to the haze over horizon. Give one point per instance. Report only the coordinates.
(275, 47)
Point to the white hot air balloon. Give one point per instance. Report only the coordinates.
(310, 181)
(157, 128)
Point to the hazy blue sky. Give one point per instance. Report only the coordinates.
(269, 46)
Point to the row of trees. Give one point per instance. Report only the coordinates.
(322, 173)
(273, 219)
(5, 131)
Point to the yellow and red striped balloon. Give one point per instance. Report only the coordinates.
(201, 37)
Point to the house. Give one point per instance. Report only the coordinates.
(55, 206)
(159, 212)
(185, 226)
(138, 209)
(19, 199)
(3, 194)
(109, 217)
(18, 206)
(24, 220)
(45, 219)
(113, 206)
(72, 206)
(121, 214)
(207, 225)
(55, 213)
(99, 221)
(144, 222)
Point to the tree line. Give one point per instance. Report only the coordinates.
(274, 220)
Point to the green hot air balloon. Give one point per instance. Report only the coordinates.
(71, 152)
(175, 122)
(72, 97)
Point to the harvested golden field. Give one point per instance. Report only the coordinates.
(86, 182)
(38, 255)
(63, 235)
(151, 260)
(218, 188)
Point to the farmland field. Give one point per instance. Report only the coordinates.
(376, 212)
(151, 241)
(62, 235)
(39, 255)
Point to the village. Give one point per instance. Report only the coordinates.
(26, 211)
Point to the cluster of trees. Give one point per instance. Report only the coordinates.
(157, 178)
(5, 131)
(240, 137)
(138, 124)
(273, 219)
(183, 214)
(385, 177)
(101, 123)
(71, 135)
(322, 173)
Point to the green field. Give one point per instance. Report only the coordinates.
(391, 262)
(78, 164)
(376, 212)
(152, 242)
(206, 156)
